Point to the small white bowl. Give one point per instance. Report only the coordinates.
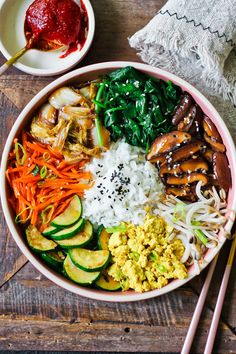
(85, 74)
(36, 62)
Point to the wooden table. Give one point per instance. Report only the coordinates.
(35, 314)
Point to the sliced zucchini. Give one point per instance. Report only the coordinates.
(103, 238)
(107, 282)
(63, 234)
(54, 258)
(78, 275)
(50, 230)
(88, 260)
(82, 238)
(37, 241)
(71, 215)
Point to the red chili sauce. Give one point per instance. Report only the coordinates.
(62, 22)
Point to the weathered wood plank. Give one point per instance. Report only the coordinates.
(98, 336)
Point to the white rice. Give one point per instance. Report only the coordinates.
(124, 184)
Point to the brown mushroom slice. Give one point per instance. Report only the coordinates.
(165, 143)
(182, 108)
(208, 154)
(210, 129)
(214, 144)
(168, 169)
(221, 170)
(158, 160)
(188, 166)
(194, 165)
(187, 151)
(191, 120)
(187, 179)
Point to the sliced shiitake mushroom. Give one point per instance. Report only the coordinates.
(208, 154)
(188, 166)
(221, 170)
(165, 143)
(159, 160)
(210, 129)
(187, 179)
(215, 145)
(182, 108)
(192, 120)
(187, 151)
(194, 165)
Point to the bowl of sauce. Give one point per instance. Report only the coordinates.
(58, 33)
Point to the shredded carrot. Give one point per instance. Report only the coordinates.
(31, 191)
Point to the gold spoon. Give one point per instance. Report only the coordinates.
(40, 44)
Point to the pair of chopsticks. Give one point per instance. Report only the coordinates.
(200, 304)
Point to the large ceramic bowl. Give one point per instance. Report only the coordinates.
(82, 75)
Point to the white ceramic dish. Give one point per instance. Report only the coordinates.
(35, 62)
(84, 74)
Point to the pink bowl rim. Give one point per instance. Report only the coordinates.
(50, 274)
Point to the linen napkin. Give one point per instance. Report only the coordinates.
(194, 39)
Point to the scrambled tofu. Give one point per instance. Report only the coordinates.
(143, 258)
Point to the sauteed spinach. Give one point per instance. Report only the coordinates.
(135, 106)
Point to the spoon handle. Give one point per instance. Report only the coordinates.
(12, 60)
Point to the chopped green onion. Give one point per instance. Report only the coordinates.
(201, 236)
(35, 171)
(99, 104)
(161, 268)
(135, 256)
(19, 160)
(118, 228)
(18, 219)
(43, 172)
(120, 108)
(46, 156)
(179, 212)
(97, 110)
(153, 256)
(46, 217)
(199, 233)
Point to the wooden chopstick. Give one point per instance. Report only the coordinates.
(200, 304)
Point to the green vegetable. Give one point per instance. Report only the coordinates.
(161, 268)
(107, 282)
(118, 228)
(35, 171)
(36, 240)
(103, 238)
(78, 275)
(45, 215)
(69, 216)
(89, 261)
(19, 220)
(20, 160)
(136, 106)
(179, 212)
(43, 172)
(98, 106)
(199, 233)
(153, 256)
(201, 236)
